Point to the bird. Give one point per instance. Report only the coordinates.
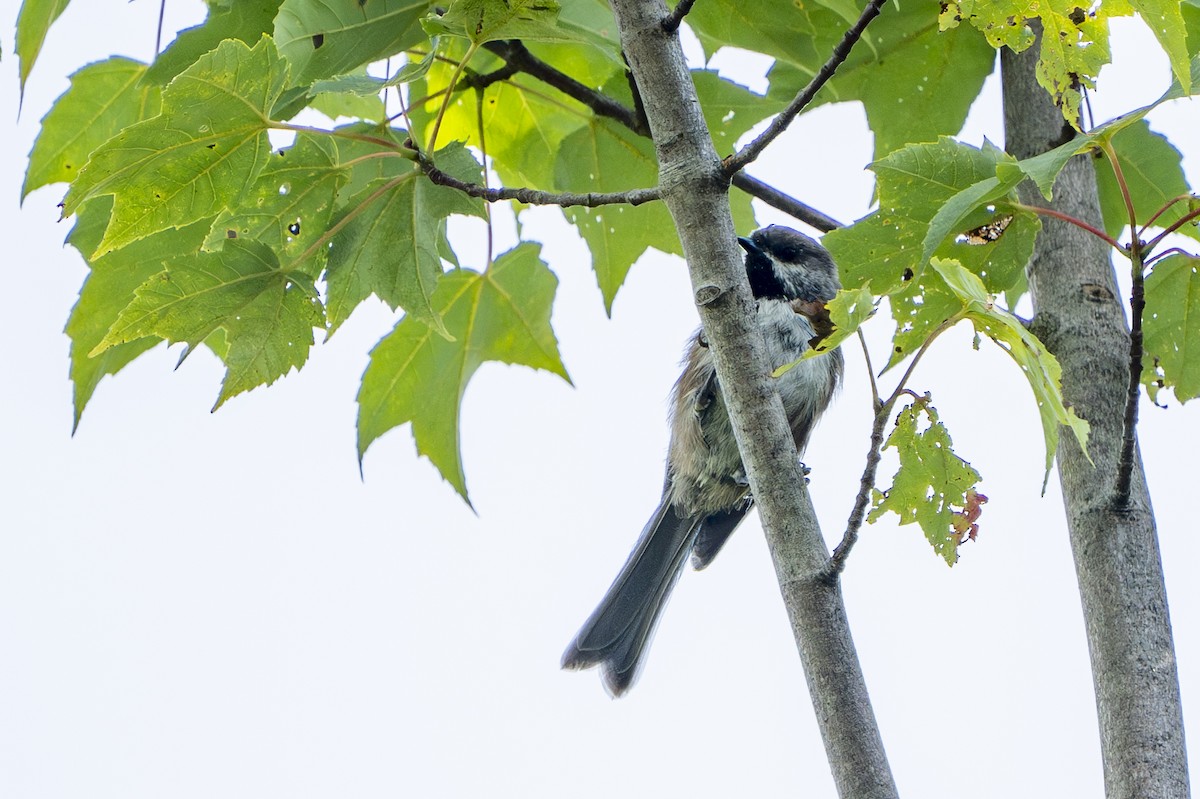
(706, 493)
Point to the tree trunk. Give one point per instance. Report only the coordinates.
(696, 193)
(1079, 316)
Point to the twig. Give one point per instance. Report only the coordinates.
(1115, 163)
(534, 196)
(837, 561)
(738, 161)
(600, 104)
(1181, 198)
(1178, 223)
(786, 203)
(671, 21)
(876, 403)
(477, 80)
(1137, 304)
(517, 55)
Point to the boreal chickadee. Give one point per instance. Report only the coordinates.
(706, 494)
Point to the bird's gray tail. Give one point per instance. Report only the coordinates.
(618, 631)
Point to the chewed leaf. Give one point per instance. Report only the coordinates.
(933, 487)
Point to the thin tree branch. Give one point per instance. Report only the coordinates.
(517, 55)
(601, 104)
(695, 191)
(670, 23)
(837, 562)
(778, 125)
(1133, 395)
(1174, 226)
(534, 196)
(1181, 198)
(483, 80)
(786, 203)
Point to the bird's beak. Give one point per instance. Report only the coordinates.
(748, 245)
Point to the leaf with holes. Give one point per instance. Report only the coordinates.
(198, 156)
(289, 206)
(324, 38)
(933, 487)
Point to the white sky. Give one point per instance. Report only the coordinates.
(196, 605)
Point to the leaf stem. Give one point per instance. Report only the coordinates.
(487, 207)
(338, 134)
(841, 51)
(1166, 207)
(1106, 146)
(1079, 223)
(454, 76)
(1174, 226)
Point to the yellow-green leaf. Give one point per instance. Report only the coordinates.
(933, 487)
(198, 156)
(1171, 325)
(104, 98)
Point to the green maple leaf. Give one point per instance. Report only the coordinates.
(915, 81)
(390, 237)
(110, 286)
(492, 20)
(1153, 172)
(244, 20)
(1075, 38)
(289, 206)
(418, 376)
(267, 314)
(1172, 326)
(198, 156)
(605, 156)
(104, 98)
(525, 120)
(323, 38)
(933, 486)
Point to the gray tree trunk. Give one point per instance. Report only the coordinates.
(696, 193)
(1079, 315)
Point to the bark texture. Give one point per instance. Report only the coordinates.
(696, 193)
(1079, 315)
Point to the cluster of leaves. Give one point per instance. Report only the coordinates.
(197, 230)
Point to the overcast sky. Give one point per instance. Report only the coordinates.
(200, 605)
